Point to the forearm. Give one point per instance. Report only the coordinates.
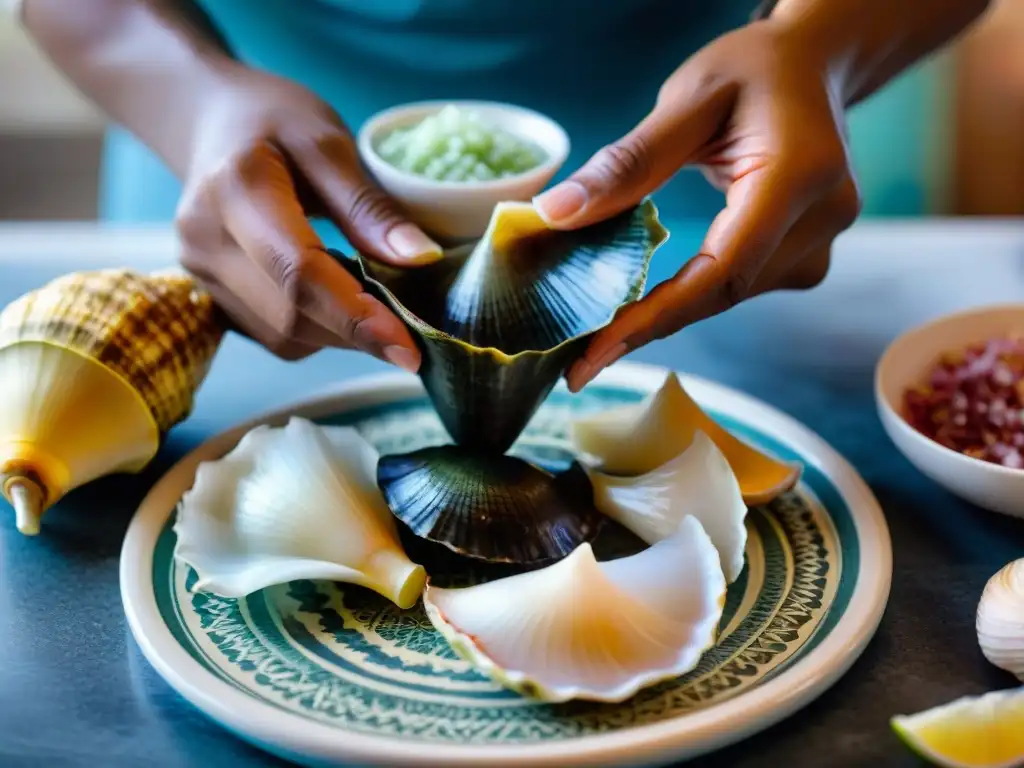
(868, 42)
(148, 64)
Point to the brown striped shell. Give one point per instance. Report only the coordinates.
(158, 332)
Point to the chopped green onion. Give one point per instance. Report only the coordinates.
(457, 145)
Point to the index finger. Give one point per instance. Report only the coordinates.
(264, 216)
(690, 110)
(760, 210)
(369, 219)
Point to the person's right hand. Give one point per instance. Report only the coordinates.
(267, 153)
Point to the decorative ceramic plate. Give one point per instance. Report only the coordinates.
(328, 674)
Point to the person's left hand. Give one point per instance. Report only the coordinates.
(758, 112)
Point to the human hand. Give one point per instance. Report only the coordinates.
(266, 154)
(757, 112)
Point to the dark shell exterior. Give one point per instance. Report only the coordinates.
(499, 321)
(491, 507)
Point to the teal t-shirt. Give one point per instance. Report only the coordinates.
(593, 65)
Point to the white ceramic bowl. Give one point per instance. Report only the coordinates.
(452, 210)
(905, 363)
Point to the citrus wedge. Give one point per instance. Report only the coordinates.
(971, 732)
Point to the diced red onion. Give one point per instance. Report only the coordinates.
(974, 402)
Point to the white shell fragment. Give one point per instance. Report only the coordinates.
(697, 482)
(1000, 619)
(580, 629)
(289, 503)
(638, 438)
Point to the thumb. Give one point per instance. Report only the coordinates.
(622, 173)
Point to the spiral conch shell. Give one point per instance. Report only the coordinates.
(294, 502)
(94, 368)
(1000, 619)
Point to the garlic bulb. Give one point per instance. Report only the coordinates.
(697, 482)
(580, 629)
(1000, 619)
(298, 502)
(638, 438)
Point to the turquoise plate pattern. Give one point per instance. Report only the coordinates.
(342, 660)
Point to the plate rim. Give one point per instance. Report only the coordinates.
(309, 742)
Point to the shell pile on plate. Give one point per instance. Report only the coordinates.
(499, 321)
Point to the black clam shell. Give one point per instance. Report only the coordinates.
(491, 507)
(499, 321)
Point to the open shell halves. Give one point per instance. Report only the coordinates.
(500, 320)
(294, 502)
(500, 509)
(699, 483)
(639, 438)
(580, 629)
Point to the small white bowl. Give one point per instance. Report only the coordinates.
(906, 363)
(455, 210)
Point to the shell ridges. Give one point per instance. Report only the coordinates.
(500, 320)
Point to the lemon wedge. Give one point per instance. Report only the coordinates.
(971, 732)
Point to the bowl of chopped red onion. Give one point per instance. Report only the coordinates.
(950, 395)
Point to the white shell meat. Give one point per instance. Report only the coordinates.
(1000, 619)
(289, 503)
(638, 438)
(580, 629)
(697, 482)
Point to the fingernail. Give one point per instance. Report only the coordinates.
(586, 370)
(410, 244)
(561, 202)
(402, 357)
